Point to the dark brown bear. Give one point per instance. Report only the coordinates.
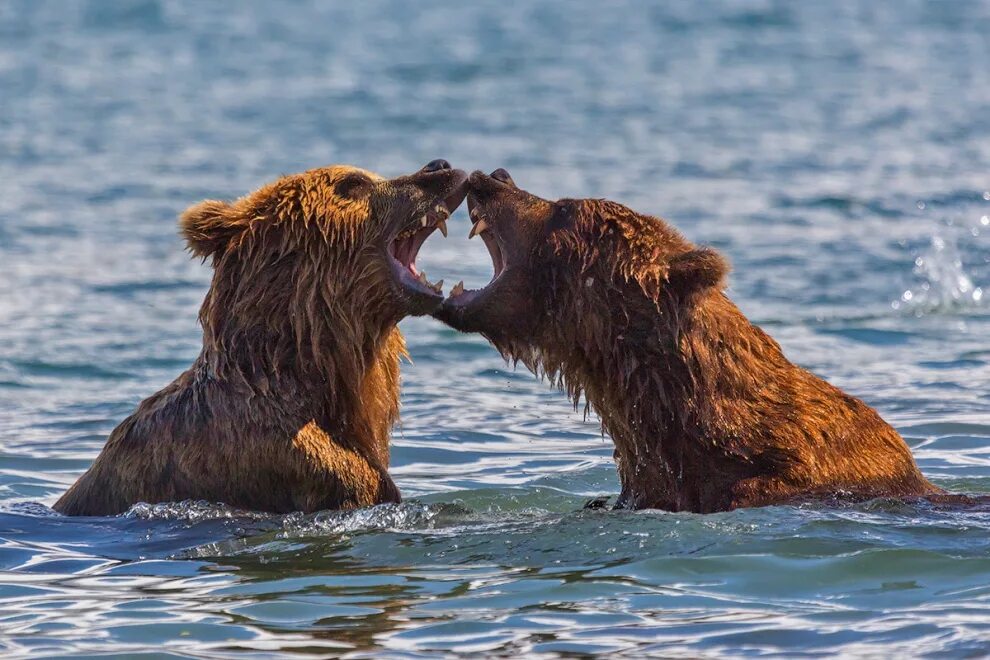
(290, 403)
(705, 411)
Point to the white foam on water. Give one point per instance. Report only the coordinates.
(190, 511)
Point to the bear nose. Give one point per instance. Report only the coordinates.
(436, 165)
(501, 175)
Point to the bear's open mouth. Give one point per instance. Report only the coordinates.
(480, 227)
(405, 247)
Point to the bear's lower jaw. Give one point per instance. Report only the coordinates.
(462, 309)
(414, 293)
(453, 314)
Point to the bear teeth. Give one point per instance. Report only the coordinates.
(477, 228)
(458, 289)
(436, 288)
(406, 244)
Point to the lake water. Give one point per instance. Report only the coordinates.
(838, 152)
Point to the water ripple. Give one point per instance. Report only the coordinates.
(799, 139)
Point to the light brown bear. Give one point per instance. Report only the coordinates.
(290, 404)
(705, 411)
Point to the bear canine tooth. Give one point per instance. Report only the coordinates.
(477, 228)
(442, 226)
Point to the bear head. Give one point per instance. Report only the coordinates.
(578, 262)
(338, 224)
(319, 260)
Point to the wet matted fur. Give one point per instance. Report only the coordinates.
(290, 404)
(705, 411)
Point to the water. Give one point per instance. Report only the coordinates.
(799, 138)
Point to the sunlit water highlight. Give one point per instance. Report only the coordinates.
(798, 138)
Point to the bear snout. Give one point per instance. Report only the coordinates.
(436, 165)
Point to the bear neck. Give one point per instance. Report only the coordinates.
(311, 351)
(619, 349)
(657, 373)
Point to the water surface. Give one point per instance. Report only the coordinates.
(838, 153)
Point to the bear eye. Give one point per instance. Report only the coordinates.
(351, 185)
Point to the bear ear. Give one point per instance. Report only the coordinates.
(697, 269)
(208, 227)
(562, 217)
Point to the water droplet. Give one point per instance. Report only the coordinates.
(921, 205)
(943, 280)
(986, 195)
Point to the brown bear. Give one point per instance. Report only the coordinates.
(705, 412)
(290, 403)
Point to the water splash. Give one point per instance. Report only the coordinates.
(944, 282)
(384, 517)
(192, 511)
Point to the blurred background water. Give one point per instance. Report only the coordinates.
(838, 152)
